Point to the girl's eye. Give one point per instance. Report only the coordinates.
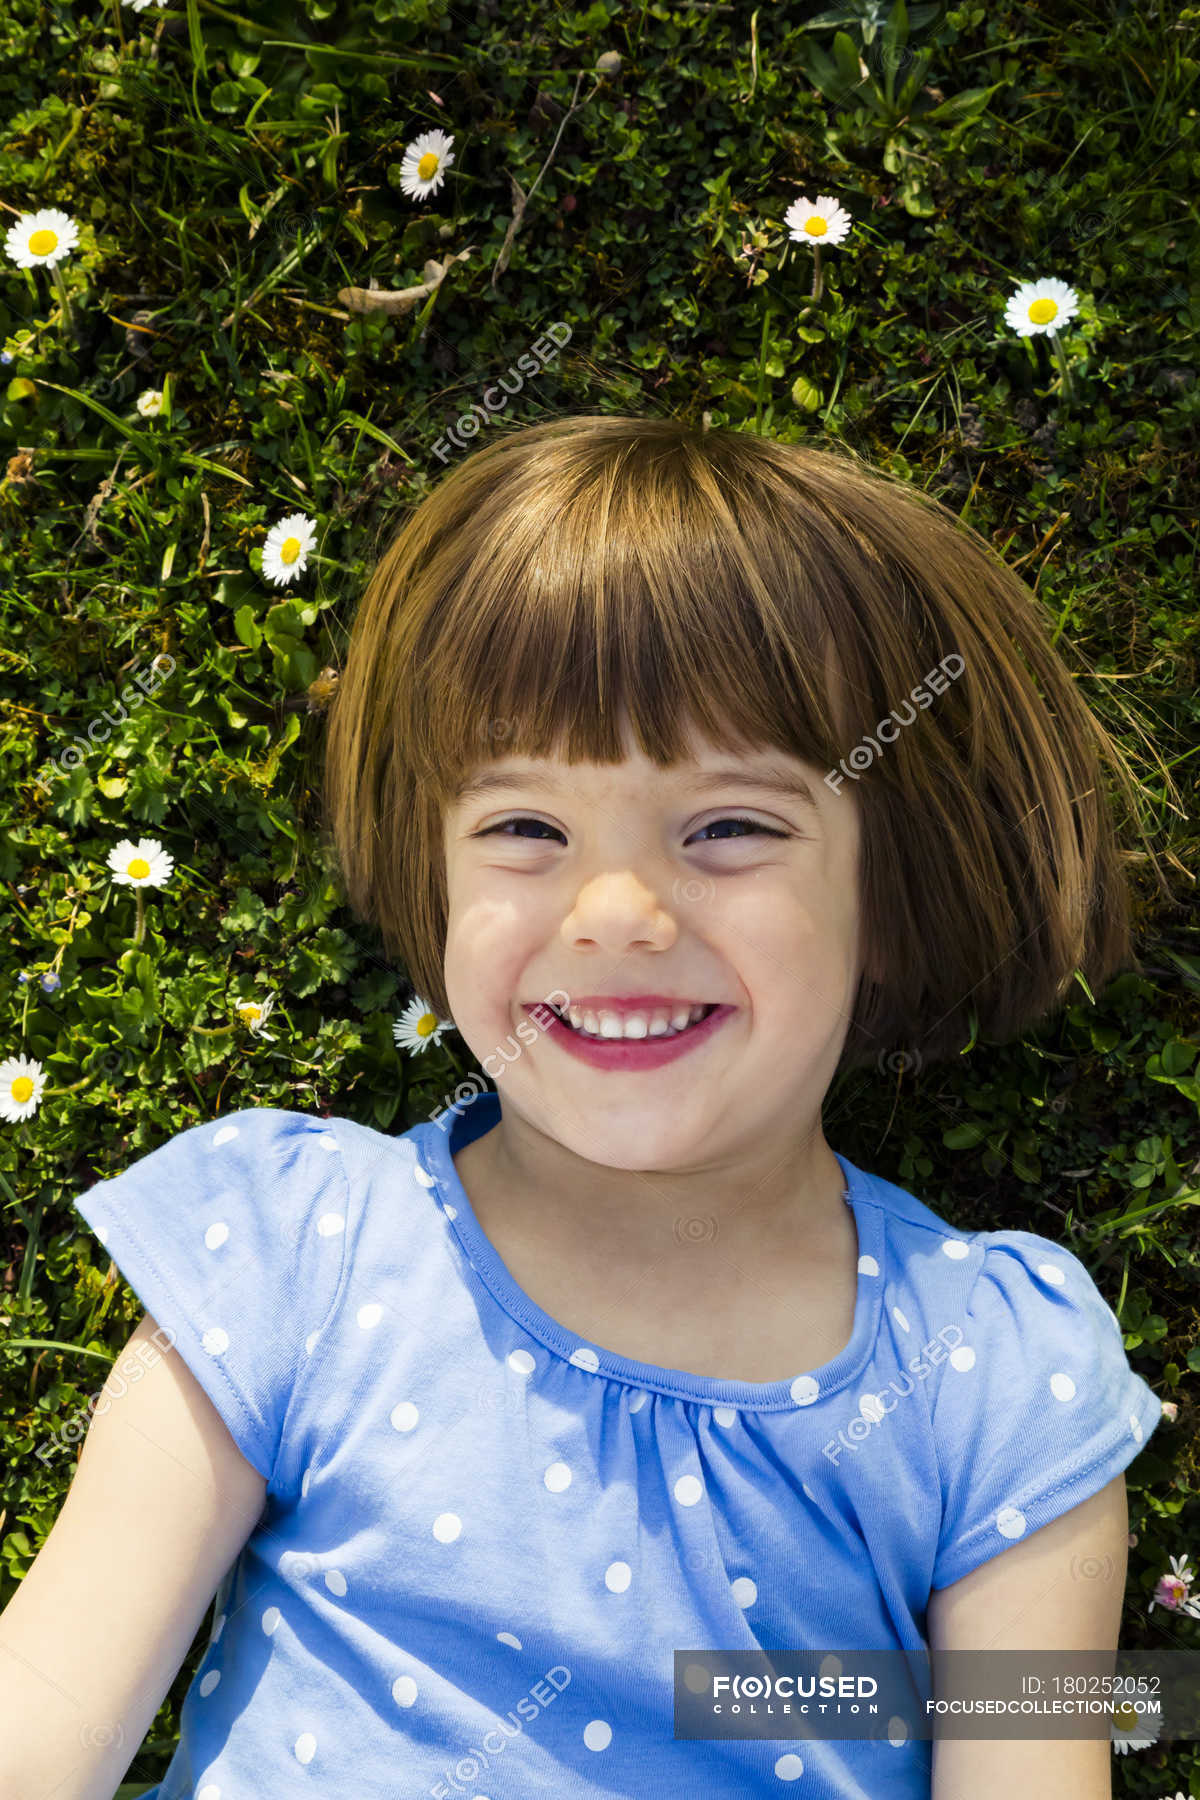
(751, 825)
(491, 830)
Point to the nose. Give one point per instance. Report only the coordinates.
(617, 912)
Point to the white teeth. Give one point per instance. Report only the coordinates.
(659, 1023)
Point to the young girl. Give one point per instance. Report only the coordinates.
(682, 770)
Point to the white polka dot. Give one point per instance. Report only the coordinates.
(225, 1135)
(1052, 1273)
(305, 1479)
(369, 1316)
(209, 1792)
(218, 1628)
(789, 1767)
(295, 1563)
(955, 1249)
(270, 1619)
(1135, 1428)
(962, 1358)
(807, 1492)
(557, 1477)
(597, 1735)
(867, 1265)
(871, 1408)
(209, 1682)
(305, 1747)
(900, 1319)
(452, 1213)
(617, 1577)
(335, 1581)
(215, 1236)
(1009, 1522)
(404, 1416)
(404, 1690)
(326, 1142)
(329, 1224)
(423, 1176)
(897, 1732)
(506, 1637)
(688, 1490)
(446, 1527)
(520, 1362)
(804, 1390)
(639, 1400)
(723, 1415)
(309, 1341)
(1062, 1387)
(215, 1341)
(744, 1591)
(585, 1358)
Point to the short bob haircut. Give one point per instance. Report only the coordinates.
(573, 574)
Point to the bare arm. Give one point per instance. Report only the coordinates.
(1060, 1589)
(160, 1505)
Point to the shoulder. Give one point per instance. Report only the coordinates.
(946, 1261)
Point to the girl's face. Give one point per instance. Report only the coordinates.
(606, 882)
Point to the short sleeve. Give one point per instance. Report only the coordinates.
(232, 1235)
(1037, 1408)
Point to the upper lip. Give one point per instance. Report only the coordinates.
(631, 1003)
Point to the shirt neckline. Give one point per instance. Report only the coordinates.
(437, 1145)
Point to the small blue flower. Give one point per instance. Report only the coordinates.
(51, 982)
(5, 356)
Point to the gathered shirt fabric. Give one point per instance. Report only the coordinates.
(484, 1540)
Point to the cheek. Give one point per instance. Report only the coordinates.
(488, 942)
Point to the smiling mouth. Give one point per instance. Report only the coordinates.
(649, 1036)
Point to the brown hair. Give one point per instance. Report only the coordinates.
(766, 594)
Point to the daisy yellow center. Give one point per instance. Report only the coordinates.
(250, 1012)
(22, 1088)
(1042, 311)
(42, 242)
(426, 1024)
(427, 167)
(816, 226)
(290, 550)
(1125, 1717)
(1176, 1587)
(139, 868)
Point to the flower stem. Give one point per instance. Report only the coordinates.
(140, 933)
(818, 287)
(64, 297)
(762, 365)
(1068, 389)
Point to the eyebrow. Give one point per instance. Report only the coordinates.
(768, 781)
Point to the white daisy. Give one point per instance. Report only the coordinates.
(41, 238)
(150, 402)
(425, 163)
(21, 1084)
(144, 864)
(285, 553)
(1041, 306)
(1133, 1729)
(255, 1014)
(418, 1026)
(141, 5)
(824, 223)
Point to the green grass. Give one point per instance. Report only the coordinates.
(233, 173)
